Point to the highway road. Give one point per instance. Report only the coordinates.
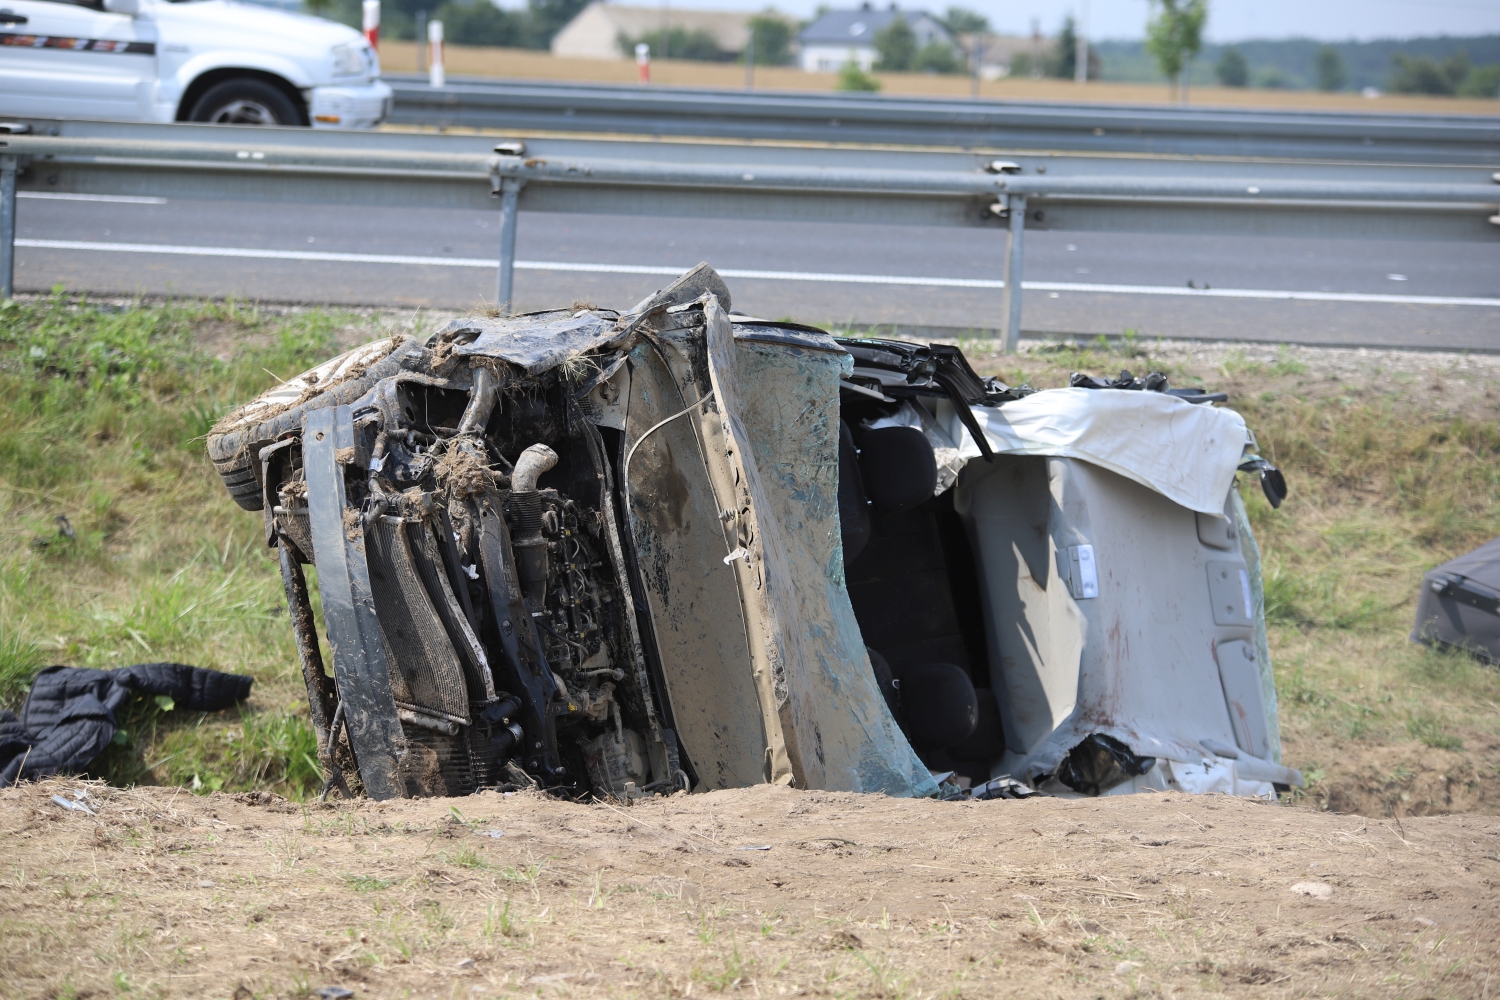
(941, 282)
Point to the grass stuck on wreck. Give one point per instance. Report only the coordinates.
(1391, 457)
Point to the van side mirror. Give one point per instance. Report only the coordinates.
(130, 7)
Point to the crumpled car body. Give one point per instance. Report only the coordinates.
(677, 548)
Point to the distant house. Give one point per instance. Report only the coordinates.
(843, 36)
(595, 32)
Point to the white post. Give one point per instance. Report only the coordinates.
(372, 23)
(643, 61)
(1013, 258)
(435, 74)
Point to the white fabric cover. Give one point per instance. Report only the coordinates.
(1187, 452)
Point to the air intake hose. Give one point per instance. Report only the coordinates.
(526, 523)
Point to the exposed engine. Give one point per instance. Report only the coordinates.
(497, 577)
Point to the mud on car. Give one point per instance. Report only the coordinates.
(624, 553)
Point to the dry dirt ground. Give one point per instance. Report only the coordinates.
(760, 892)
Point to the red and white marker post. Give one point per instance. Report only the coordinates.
(372, 23)
(435, 75)
(643, 61)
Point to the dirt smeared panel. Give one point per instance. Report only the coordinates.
(696, 611)
(761, 891)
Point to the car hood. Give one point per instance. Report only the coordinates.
(240, 23)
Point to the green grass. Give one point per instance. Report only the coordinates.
(103, 412)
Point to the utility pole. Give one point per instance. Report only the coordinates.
(421, 36)
(750, 59)
(1081, 46)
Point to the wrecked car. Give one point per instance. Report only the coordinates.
(625, 553)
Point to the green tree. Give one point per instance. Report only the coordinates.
(1174, 35)
(897, 45)
(1329, 67)
(938, 57)
(1482, 81)
(963, 21)
(1232, 69)
(851, 77)
(676, 43)
(1423, 75)
(1064, 61)
(546, 18)
(773, 40)
(479, 22)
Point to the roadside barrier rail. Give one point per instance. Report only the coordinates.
(538, 105)
(697, 179)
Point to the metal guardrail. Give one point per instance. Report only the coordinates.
(696, 179)
(533, 105)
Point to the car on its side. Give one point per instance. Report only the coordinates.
(188, 61)
(625, 553)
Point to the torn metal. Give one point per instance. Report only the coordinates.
(678, 548)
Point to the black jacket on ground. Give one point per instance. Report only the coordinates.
(69, 716)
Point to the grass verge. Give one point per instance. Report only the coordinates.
(119, 544)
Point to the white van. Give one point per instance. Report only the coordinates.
(195, 60)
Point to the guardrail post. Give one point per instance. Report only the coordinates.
(1013, 250)
(7, 226)
(510, 195)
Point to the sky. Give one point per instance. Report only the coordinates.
(1228, 20)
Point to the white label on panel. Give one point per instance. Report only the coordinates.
(1085, 576)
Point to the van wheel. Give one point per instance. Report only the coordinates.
(245, 102)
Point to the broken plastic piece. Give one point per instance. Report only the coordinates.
(1004, 787)
(1100, 763)
(75, 806)
(1272, 482)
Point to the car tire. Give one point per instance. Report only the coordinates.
(235, 442)
(246, 101)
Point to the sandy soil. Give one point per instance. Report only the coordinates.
(759, 892)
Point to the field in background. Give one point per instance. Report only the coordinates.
(1391, 458)
(462, 60)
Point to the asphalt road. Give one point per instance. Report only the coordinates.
(942, 281)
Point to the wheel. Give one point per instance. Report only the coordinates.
(245, 101)
(235, 442)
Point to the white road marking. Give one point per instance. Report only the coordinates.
(856, 279)
(122, 199)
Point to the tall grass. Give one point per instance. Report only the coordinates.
(102, 416)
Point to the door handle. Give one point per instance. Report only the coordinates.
(11, 17)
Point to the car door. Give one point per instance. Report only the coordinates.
(75, 60)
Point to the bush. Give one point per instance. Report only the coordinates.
(1233, 70)
(851, 77)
